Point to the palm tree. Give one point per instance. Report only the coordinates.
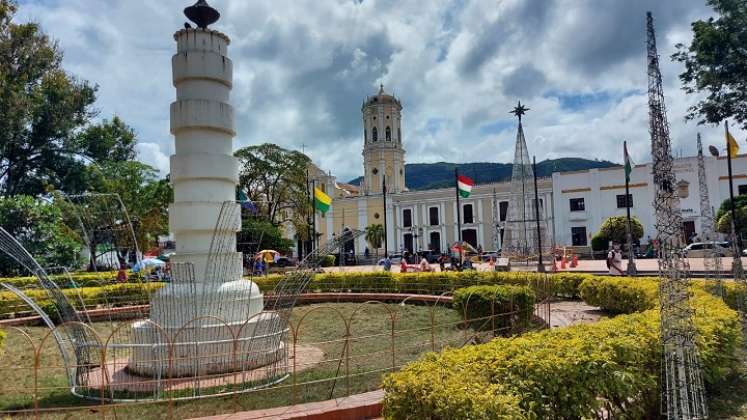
(375, 236)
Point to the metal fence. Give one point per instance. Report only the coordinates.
(335, 349)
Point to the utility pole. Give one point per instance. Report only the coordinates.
(383, 188)
(540, 265)
(632, 271)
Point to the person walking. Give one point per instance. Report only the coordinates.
(614, 260)
(387, 263)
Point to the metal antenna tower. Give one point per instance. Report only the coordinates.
(520, 234)
(684, 396)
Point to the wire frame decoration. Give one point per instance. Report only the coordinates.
(682, 383)
(520, 228)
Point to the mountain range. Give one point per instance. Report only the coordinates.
(426, 176)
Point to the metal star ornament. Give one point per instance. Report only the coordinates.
(519, 110)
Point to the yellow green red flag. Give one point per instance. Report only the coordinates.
(733, 146)
(321, 200)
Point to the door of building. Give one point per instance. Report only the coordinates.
(688, 227)
(470, 236)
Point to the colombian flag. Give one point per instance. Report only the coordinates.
(321, 200)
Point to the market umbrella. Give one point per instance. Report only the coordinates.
(147, 263)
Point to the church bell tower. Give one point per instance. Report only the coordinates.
(382, 144)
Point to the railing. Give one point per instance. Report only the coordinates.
(335, 350)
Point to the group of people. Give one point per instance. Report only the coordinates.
(455, 264)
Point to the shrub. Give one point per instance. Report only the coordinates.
(81, 279)
(328, 261)
(496, 308)
(123, 294)
(572, 372)
(620, 295)
(599, 242)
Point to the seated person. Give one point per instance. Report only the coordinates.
(403, 266)
(424, 266)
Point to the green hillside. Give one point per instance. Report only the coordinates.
(424, 176)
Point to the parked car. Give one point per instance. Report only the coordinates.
(283, 261)
(706, 249)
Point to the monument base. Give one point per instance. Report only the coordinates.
(206, 346)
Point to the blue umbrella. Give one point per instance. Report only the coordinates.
(148, 262)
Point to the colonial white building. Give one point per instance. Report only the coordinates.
(573, 205)
(582, 200)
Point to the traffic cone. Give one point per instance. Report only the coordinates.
(574, 261)
(563, 262)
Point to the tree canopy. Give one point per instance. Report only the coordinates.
(274, 178)
(616, 229)
(42, 109)
(716, 63)
(37, 225)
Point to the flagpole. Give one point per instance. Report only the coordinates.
(632, 271)
(310, 193)
(313, 217)
(540, 265)
(737, 243)
(383, 188)
(459, 212)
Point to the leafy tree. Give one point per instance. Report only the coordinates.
(37, 225)
(716, 63)
(723, 215)
(42, 109)
(259, 233)
(615, 229)
(723, 223)
(375, 236)
(274, 178)
(725, 207)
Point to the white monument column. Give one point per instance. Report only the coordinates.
(204, 175)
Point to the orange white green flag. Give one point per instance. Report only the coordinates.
(464, 185)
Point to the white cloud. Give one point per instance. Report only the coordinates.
(303, 67)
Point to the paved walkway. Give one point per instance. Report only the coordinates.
(649, 265)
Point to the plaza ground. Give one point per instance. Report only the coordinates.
(645, 266)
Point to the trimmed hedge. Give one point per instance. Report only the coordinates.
(560, 284)
(122, 294)
(81, 279)
(481, 303)
(572, 372)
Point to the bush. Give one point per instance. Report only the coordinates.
(599, 242)
(496, 308)
(572, 372)
(81, 279)
(328, 261)
(123, 294)
(620, 295)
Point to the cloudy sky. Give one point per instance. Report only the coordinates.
(303, 67)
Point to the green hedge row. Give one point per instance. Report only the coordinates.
(499, 308)
(81, 279)
(560, 284)
(574, 372)
(122, 294)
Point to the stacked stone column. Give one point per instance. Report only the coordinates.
(205, 316)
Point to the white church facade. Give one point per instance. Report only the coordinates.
(573, 205)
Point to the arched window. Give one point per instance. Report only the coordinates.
(388, 134)
(375, 134)
(399, 134)
(365, 135)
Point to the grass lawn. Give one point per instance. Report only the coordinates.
(370, 356)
